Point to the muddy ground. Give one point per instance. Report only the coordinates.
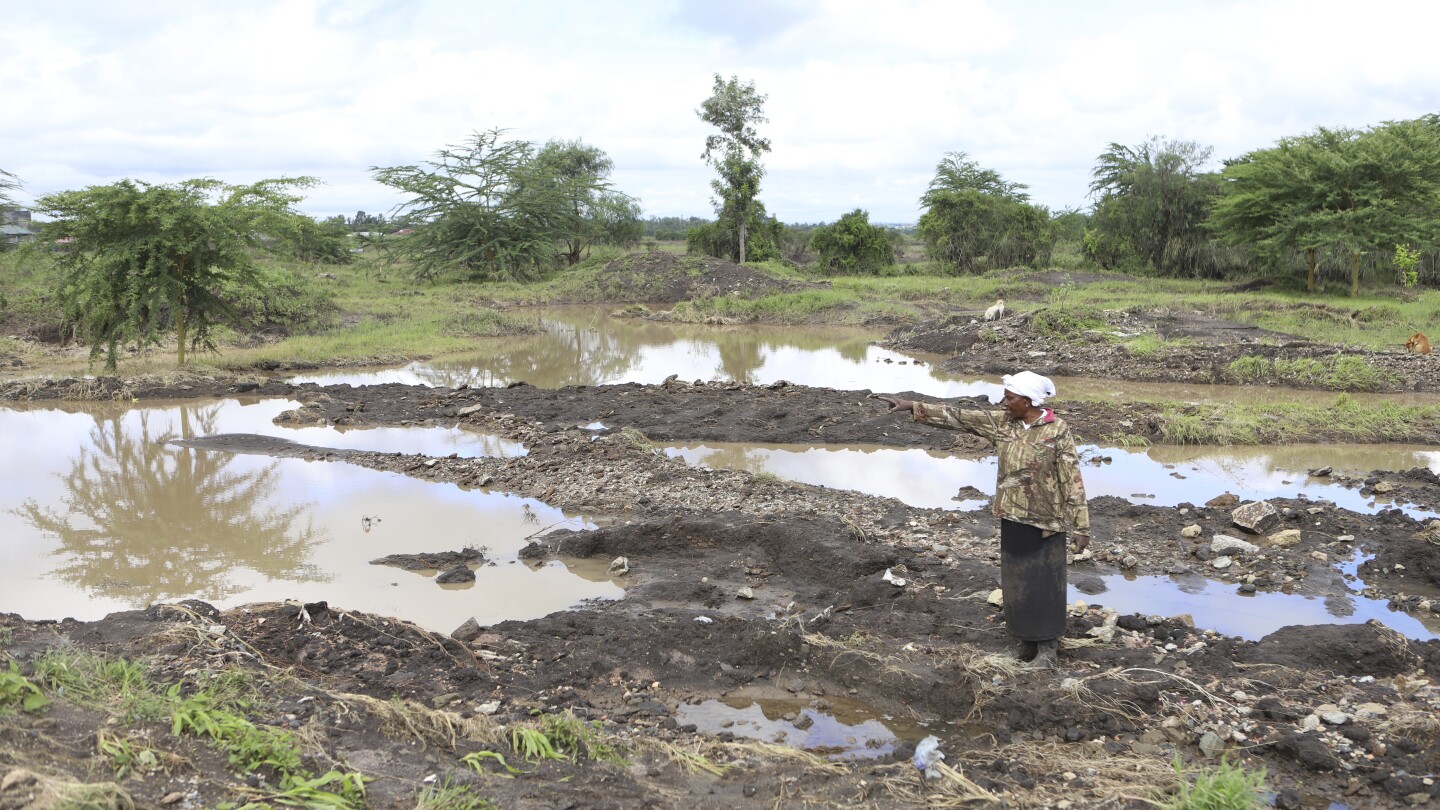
(1335, 713)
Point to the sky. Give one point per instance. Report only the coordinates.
(863, 98)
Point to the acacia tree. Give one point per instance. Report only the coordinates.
(593, 213)
(1152, 202)
(1269, 200)
(957, 172)
(1351, 191)
(142, 260)
(501, 209)
(1378, 188)
(972, 214)
(735, 109)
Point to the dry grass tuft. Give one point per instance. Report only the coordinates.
(402, 718)
(952, 789)
(23, 788)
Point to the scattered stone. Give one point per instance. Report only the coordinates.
(469, 409)
(745, 593)
(1225, 544)
(1190, 532)
(1285, 538)
(1256, 517)
(996, 597)
(1223, 501)
(1320, 472)
(1221, 562)
(1211, 745)
(1383, 487)
(488, 708)
(468, 631)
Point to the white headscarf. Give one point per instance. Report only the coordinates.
(1029, 384)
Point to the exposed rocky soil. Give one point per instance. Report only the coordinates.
(1201, 350)
(752, 588)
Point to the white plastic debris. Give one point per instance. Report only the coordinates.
(619, 565)
(704, 620)
(890, 577)
(927, 754)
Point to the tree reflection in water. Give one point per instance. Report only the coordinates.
(144, 522)
(592, 348)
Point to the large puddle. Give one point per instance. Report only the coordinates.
(101, 514)
(586, 346)
(1162, 476)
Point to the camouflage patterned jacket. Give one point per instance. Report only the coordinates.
(1038, 481)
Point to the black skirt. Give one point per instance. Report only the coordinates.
(1032, 578)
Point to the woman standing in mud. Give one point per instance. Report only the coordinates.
(1038, 497)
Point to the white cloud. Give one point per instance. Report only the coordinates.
(864, 98)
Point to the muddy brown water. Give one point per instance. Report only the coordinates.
(101, 514)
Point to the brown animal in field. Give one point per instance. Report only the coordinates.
(1418, 344)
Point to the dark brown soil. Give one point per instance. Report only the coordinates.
(1130, 694)
(1202, 351)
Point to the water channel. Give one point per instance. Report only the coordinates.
(100, 514)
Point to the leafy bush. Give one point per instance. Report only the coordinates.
(285, 301)
(1066, 322)
(853, 246)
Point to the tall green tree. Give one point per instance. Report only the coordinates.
(853, 246)
(502, 209)
(957, 172)
(974, 218)
(734, 109)
(1379, 188)
(1152, 202)
(1354, 192)
(594, 214)
(144, 260)
(471, 208)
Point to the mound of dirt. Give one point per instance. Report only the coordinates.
(1192, 348)
(666, 278)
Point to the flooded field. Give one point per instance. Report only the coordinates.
(104, 514)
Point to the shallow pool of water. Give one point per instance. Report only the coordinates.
(1159, 476)
(101, 514)
(1221, 607)
(845, 729)
(586, 346)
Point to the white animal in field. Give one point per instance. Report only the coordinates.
(997, 311)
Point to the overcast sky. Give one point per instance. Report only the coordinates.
(864, 97)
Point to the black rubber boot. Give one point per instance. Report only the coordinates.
(1046, 653)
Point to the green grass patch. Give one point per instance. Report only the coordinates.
(1336, 372)
(1068, 322)
(214, 710)
(1287, 422)
(1225, 787)
(448, 796)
